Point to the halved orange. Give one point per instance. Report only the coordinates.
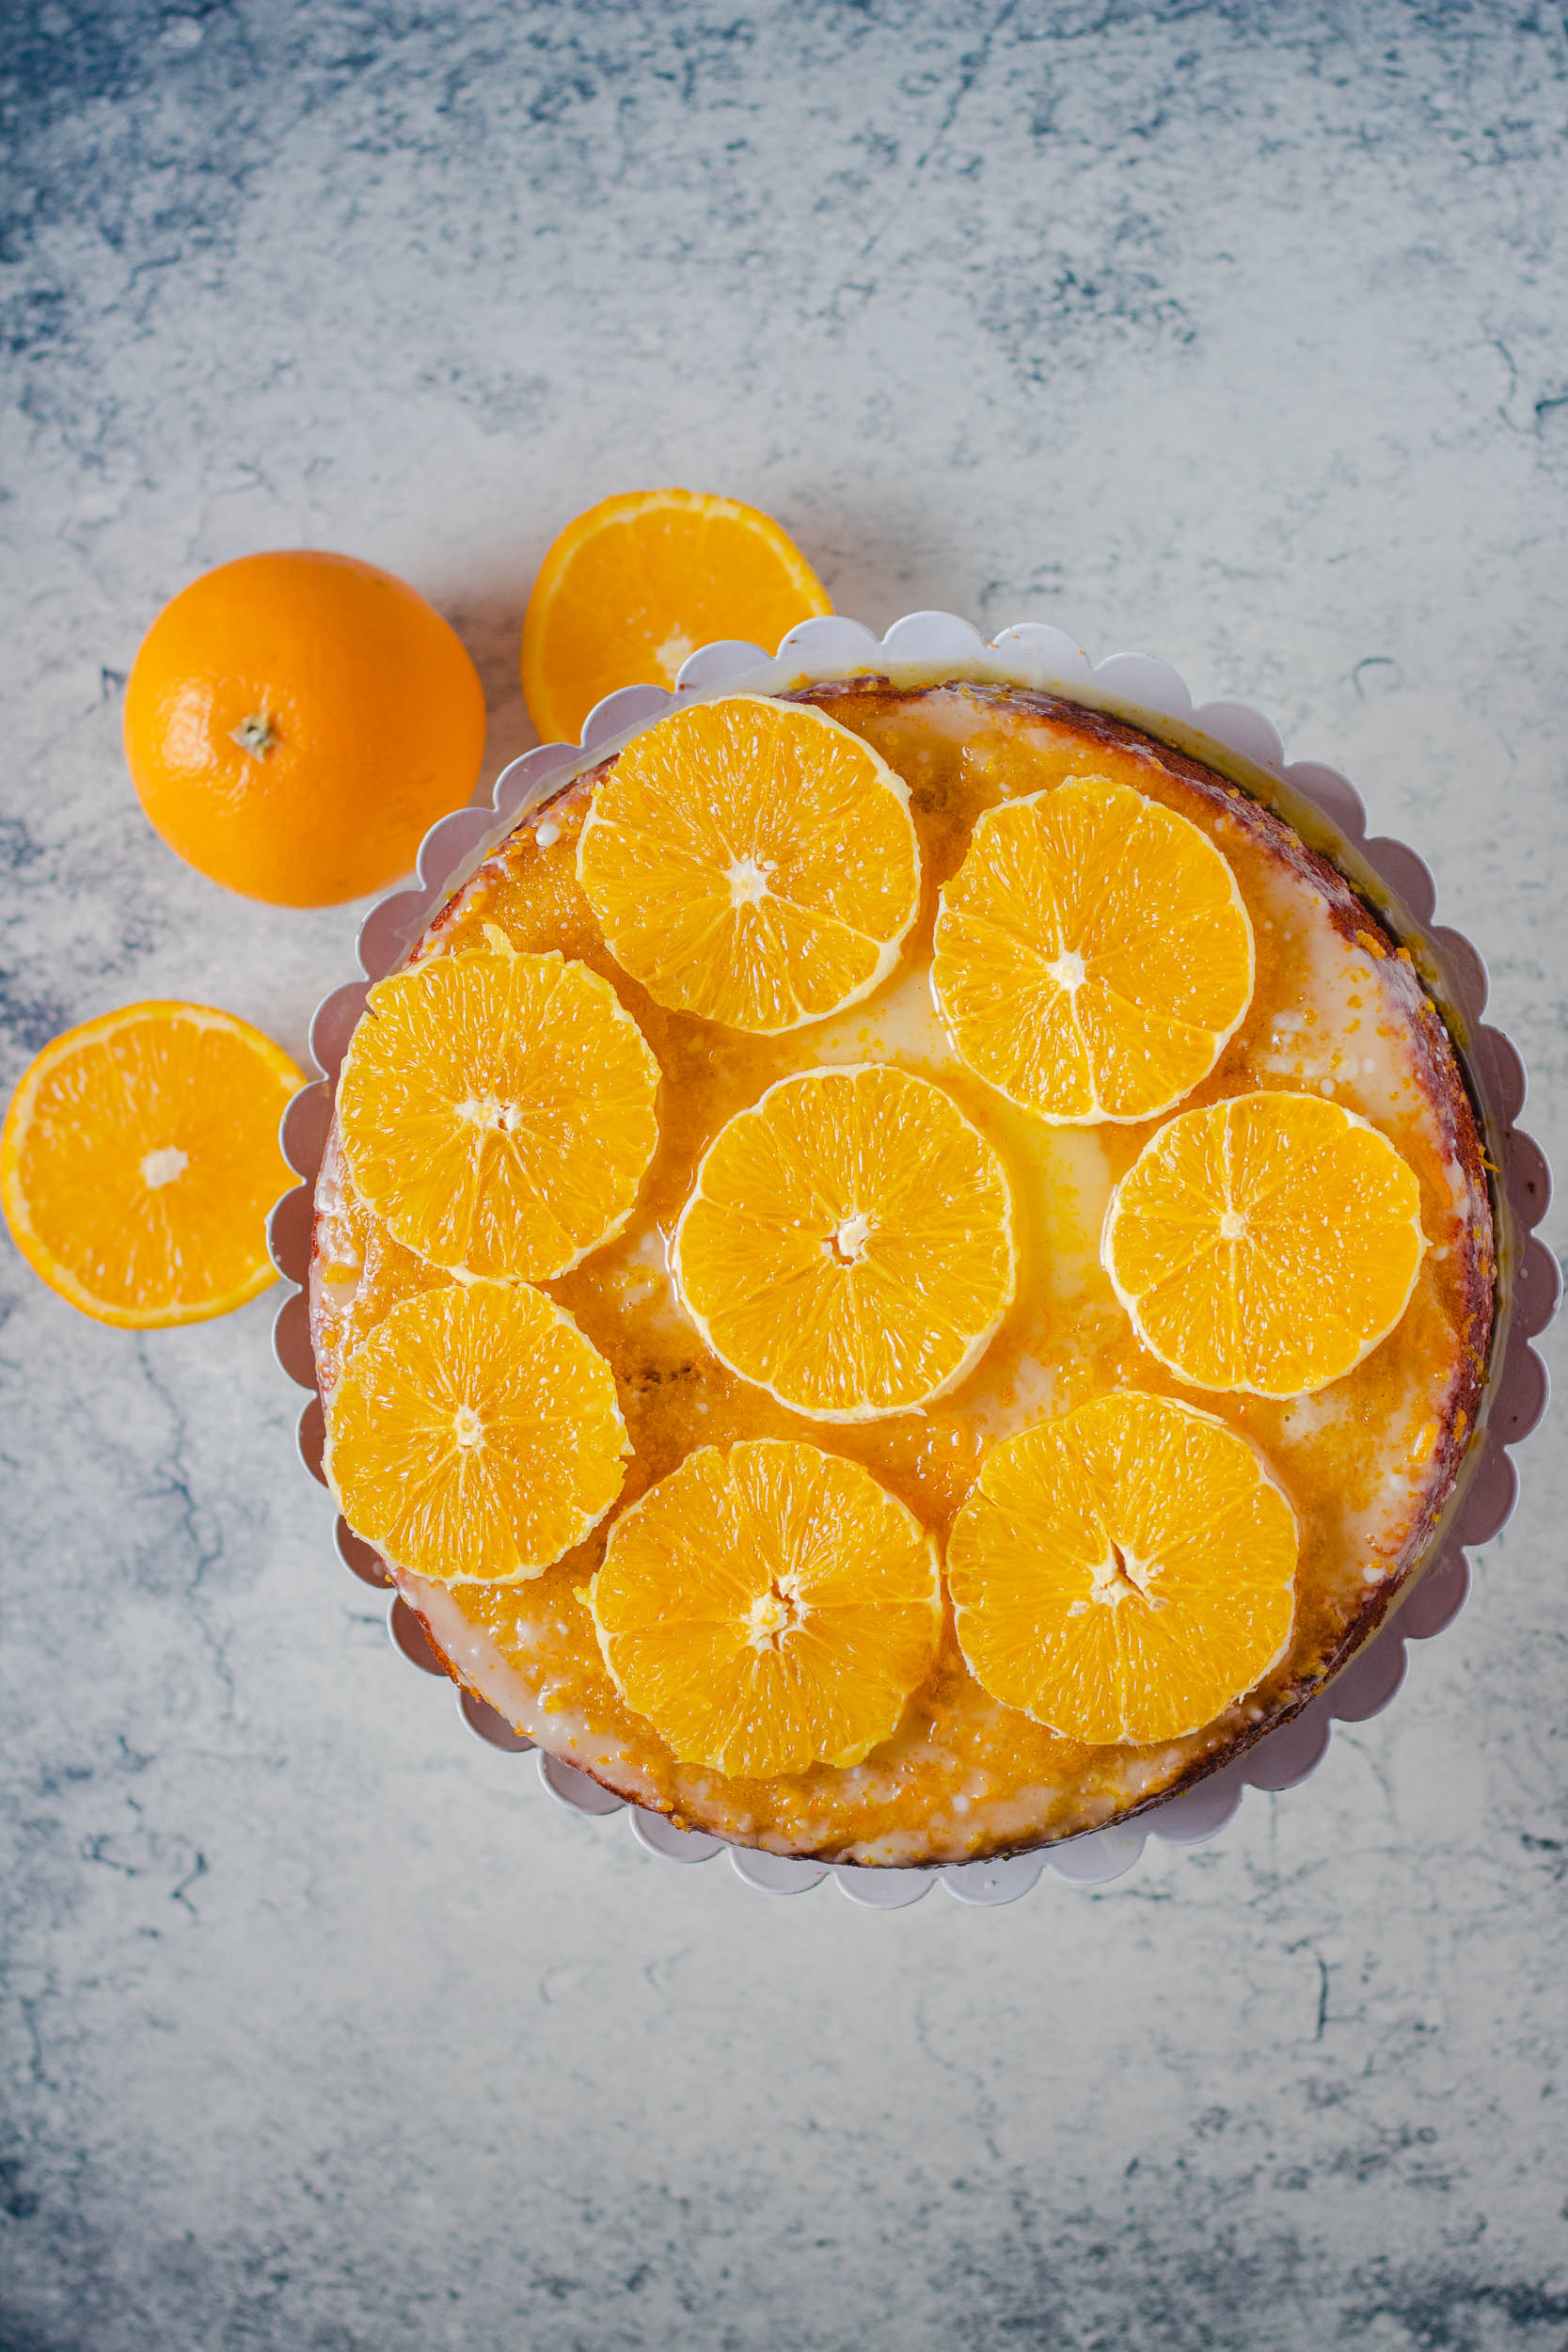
(752, 861)
(848, 1242)
(139, 1159)
(639, 583)
(768, 1608)
(1124, 1573)
(474, 1435)
(1093, 955)
(1265, 1244)
(497, 1110)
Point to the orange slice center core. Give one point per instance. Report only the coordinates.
(748, 877)
(1122, 1577)
(488, 1110)
(774, 1615)
(162, 1167)
(847, 1245)
(678, 647)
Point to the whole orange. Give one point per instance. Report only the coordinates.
(296, 723)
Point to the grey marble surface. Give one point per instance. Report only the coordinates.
(1234, 333)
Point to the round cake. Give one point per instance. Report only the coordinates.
(1298, 1008)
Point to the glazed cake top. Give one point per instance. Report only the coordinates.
(1337, 1009)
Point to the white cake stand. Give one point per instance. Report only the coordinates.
(922, 649)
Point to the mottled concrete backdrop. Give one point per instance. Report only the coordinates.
(1238, 333)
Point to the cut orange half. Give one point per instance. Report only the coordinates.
(848, 1244)
(1265, 1244)
(474, 1435)
(498, 1111)
(1093, 956)
(639, 583)
(1124, 1573)
(768, 1609)
(752, 861)
(139, 1160)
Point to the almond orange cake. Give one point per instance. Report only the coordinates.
(901, 1272)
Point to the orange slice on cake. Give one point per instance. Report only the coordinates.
(1093, 956)
(768, 1608)
(752, 861)
(1265, 1244)
(474, 1435)
(639, 581)
(139, 1160)
(1125, 1573)
(498, 1111)
(848, 1242)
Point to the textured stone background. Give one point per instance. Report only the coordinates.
(1236, 333)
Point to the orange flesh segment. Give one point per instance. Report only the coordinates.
(639, 583)
(768, 1608)
(498, 1111)
(1093, 953)
(1124, 1573)
(1265, 1244)
(139, 1161)
(475, 1435)
(753, 862)
(848, 1244)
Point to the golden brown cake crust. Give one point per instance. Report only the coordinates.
(528, 1650)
